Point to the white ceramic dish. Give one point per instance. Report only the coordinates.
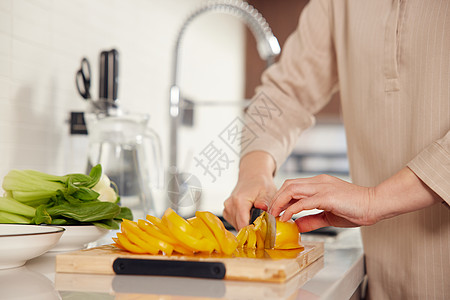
(19, 242)
(77, 237)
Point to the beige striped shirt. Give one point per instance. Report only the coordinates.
(390, 61)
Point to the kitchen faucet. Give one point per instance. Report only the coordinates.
(267, 46)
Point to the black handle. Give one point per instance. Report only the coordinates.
(113, 78)
(159, 267)
(254, 213)
(103, 86)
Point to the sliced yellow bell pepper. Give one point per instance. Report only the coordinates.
(227, 241)
(128, 245)
(198, 245)
(251, 241)
(263, 228)
(155, 231)
(117, 244)
(259, 240)
(287, 236)
(151, 242)
(171, 217)
(231, 243)
(258, 222)
(242, 237)
(135, 239)
(157, 222)
(164, 236)
(206, 232)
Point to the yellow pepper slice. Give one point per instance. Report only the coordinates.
(251, 241)
(251, 253)
(206, 232)
(151, 242)
(242, 237)
(258, 222)
(171, 217)
(178, 247)
(226, 239)
(263, 228)
(155, 231)
(135, 239)
(231, 243)
(128, 245)
(287, 236)
(259, 240)
(117, 244)
(157, 222)
(200, 245)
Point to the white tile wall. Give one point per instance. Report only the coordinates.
(42, 43)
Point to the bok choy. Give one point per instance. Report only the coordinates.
(33, 197)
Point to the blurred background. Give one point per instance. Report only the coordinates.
(43, 41)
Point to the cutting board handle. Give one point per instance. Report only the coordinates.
(160, 267)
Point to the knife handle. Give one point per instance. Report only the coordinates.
(159, 267)
(254, 213)
(103, 86)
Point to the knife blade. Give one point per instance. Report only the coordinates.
(269, 239)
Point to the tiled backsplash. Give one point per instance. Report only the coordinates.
(42, 43)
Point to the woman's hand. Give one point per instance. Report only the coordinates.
(255, 187)
(349, 205)
(343, 204)
(255, 191)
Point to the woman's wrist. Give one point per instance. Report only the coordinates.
(402, 193)
(256, 163)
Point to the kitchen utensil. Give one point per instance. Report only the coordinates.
(130, 154)
(103, 75)
(162, 267)
(20, 242)
(269, 241)
(272, 266)
(113, 74)
(109, 75)
(83, 79)
(186, 288)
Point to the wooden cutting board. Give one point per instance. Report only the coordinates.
(253, 265)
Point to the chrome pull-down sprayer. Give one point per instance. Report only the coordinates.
(268, 48)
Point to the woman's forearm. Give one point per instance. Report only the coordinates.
(256, 163)
(402, 193)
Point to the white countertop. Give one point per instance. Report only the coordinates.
(336, 276)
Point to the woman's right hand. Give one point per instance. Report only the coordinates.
(255, 187)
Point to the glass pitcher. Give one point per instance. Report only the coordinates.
(130, 154)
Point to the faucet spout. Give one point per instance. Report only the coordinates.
(267, 46)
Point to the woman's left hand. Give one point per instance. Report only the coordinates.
(343, 204)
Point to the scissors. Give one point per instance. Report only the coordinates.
(83, 79)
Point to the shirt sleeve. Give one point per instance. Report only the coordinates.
(432, 166)
(295, 88)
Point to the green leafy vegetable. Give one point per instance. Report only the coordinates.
(11, 205)
(33, 197)
(6, 217)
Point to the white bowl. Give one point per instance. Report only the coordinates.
(77, 237)
(19, 242)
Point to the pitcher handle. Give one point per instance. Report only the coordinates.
(157, 157)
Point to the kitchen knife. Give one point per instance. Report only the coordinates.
(161, 267)
(109, 75)
(103, 86)
(269, 240)
(113, 74)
